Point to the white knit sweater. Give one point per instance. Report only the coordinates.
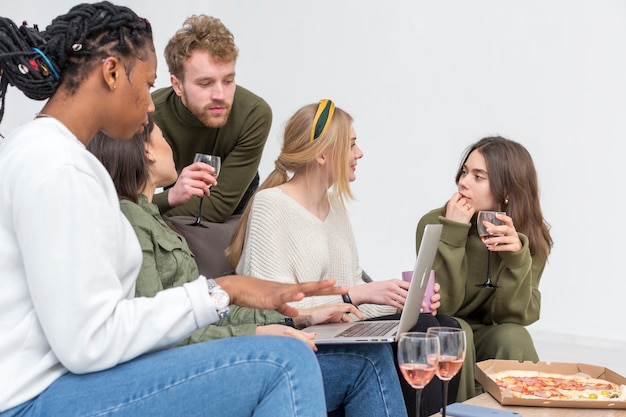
(287, 243)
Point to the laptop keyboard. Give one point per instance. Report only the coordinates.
(370, 328)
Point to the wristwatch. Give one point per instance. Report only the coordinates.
(221, 300)
(346, 298)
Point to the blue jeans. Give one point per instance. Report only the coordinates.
(361, 379)
(264, 376)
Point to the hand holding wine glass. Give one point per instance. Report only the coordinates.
(216, 163)
(452, 345)
(488, 216)
(418, 354)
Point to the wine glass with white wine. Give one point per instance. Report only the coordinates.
(216, 163)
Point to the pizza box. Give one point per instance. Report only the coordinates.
(485, 368)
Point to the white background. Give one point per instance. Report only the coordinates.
(423, 80)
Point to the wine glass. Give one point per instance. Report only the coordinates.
(452, 345)
(418, 353)
(215, 162)
(489, 216)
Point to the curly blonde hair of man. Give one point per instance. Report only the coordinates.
(200, 32)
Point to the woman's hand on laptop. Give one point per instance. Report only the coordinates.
(328, 313)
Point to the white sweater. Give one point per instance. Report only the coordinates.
(68, 264)
(287, 243)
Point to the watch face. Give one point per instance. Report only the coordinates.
(221, 299)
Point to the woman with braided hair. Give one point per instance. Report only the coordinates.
(74, 340)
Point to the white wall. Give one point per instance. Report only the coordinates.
(424, 79)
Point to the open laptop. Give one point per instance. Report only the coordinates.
(384, 331)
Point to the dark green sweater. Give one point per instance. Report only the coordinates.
(239, 143)
(461, 262)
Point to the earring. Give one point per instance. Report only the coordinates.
(506, 201)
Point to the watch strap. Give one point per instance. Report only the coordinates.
(346, 298)
(212, 285)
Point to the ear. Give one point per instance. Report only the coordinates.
(149, 157)
(111, 70)
(321, 159)
(177, 85)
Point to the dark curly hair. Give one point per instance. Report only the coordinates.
(38, 62)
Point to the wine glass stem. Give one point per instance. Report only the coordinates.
(445, 397)
(418, 402)
(199, 216)
(488, 266)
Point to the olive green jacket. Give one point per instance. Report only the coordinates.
(168, 262)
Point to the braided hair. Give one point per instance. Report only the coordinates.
(37, 62)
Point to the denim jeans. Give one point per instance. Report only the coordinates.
(361, 379)
(264, 376)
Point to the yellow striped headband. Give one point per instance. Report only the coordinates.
(322, 118)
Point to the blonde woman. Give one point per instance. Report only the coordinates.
(296, 229)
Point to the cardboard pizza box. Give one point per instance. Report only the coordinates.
(485, 368)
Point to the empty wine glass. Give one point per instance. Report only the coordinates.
(489, 216)
(452, 344)
(215, 162)
(418, 354)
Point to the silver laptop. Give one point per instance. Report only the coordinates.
(385, 331)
